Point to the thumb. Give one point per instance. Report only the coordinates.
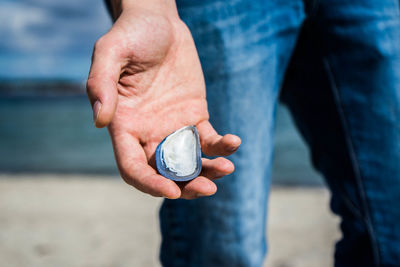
(102, 83)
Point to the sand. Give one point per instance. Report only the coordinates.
(80, 220)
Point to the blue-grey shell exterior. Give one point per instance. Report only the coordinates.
(164, 171)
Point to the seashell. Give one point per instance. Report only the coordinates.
(178, 156)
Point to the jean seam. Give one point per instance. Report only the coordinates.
(356, 166)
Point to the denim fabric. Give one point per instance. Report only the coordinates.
(338, 64)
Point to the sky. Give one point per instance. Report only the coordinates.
(48, 39)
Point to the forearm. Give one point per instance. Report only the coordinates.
(164, 7)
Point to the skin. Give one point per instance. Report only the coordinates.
(145, 82)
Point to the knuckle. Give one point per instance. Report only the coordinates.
(128, 179)
(123, 171)
(90, 88)
(132, 182)
(99, 43)
(90, 84)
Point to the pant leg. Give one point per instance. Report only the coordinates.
(343, 90)
(244, 47)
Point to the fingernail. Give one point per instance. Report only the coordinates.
(96, 110)
(233, 149)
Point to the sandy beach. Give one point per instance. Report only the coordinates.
(73, 220)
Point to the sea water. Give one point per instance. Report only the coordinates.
(56, 134)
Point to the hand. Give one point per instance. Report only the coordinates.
(145, 82)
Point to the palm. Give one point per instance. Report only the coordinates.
(160, 88)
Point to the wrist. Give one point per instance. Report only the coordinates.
(162, 7)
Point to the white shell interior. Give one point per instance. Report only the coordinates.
(179, 152)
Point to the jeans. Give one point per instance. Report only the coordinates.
(336, 65)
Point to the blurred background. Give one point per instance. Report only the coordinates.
(62, 202)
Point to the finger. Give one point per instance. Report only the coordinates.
(216, 168)
(102, 82)
(153, 184)
(213, 144)
(198, 187)
(134, 169)
(202, 185)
